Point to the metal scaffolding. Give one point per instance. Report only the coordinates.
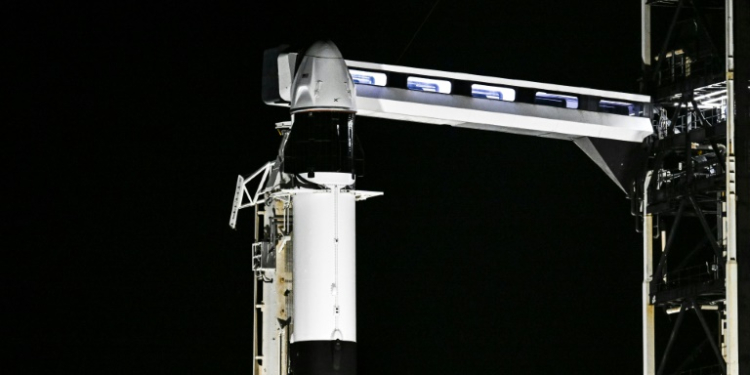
(694, 192)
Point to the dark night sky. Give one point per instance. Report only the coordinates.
(489, 253)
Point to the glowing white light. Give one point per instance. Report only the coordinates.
(495, 93)
(706, 96)
(428, 85)
(368, 78)
(620, 108)
(718, 100)
(569, 101)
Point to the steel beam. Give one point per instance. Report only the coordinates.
(672, 338)
(707, 229)
(738, 187)
(742, 182)
(719, 358)
(645, 36)
(647, 308)
(670, 241)
(665, 45)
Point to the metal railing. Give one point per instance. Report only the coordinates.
(693, 275)
(678, 66)
(712, 115)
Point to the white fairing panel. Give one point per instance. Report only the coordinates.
(323, 81)
(324, 266)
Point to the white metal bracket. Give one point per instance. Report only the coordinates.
(241, 192)
(360, 195)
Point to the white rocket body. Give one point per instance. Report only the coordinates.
(305, 254)
(324, 266)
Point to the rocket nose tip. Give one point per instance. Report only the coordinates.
(325, 49)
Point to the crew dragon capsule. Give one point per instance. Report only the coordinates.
(304, 254)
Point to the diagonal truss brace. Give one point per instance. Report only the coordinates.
(241, 192)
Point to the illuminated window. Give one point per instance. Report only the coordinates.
(494, 93)
(368, 78)
(556, 100)
(428, 85)
(620, 108)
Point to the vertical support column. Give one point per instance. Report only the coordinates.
(740, 72)
(738, 187)
(256, 367)
(731, 332)
(649, 352)
(645, 47)
(645, 34)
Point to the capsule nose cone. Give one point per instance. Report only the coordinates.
(322, 81)
(325, 49)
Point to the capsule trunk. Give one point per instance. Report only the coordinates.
(325, 321)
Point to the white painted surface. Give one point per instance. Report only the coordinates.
(329, 178)
(241, 192)
(271, 341)
(647, 309)
(732, 302)
(645, 33)
(498, 81)
(509, 117)
(732, 332)
(322, 81)
(324, 265)
(285, 67)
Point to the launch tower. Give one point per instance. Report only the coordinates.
(695, 189)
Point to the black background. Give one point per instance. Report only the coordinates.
(127, 125)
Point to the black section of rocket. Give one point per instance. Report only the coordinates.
(324, 358)
(321, 141)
